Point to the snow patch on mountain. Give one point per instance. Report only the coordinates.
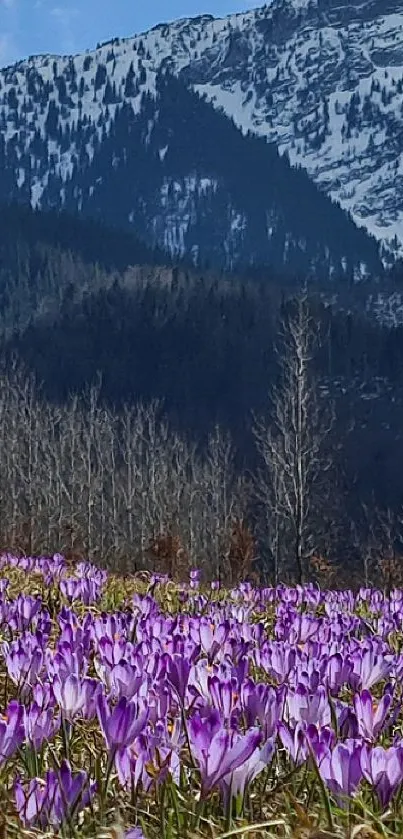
(323, 82)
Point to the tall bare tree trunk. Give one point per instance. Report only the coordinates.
(292, 445)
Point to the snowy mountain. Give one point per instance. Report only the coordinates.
(95, 133)
(323, 79)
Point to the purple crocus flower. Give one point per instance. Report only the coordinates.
(72, 631)
(302, 740)
(123, 724)
(277, 659)
(86, 589)
(152, 758)
(262, 703)
(347, 721)
(91, 572)
(302, 706)
(52, 801)
(113, 652)
(235, 783)
(12, 731)
(25, 609)
(369, 667)
(216, 750)
(126, 680)
(178, 671)
(303, 628)
(145, 606)
(320, 740)
(77, 697)
(223, 695)
(370, 714)
(131, 763)
(195, 577)
(31, 803)
(383, 769)
(40, 725)
(338, 671)
(24, 660)
(341, 769)
(4, 584)
(66, 660)
(212, 637)
(43, 695)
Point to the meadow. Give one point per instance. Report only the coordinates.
(138, 707)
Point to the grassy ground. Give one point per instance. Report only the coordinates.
(203, 669)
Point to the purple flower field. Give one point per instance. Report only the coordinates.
(137, 707)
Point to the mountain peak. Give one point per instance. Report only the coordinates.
(320, 79)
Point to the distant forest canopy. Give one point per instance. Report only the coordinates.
(126, 488)
(78, 299)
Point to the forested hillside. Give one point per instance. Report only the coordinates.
(46, 257)
(202, 342)
(162, 162)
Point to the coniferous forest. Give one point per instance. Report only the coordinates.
(84, 306)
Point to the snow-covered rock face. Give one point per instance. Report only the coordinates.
(322, 79)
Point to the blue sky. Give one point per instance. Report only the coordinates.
(66, 26)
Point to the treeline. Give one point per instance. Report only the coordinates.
(201, 341)
(204, 347)
(122, 487)
(201, 346)
(48, 257)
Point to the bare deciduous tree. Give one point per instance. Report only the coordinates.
(292, 445)
(83, 480)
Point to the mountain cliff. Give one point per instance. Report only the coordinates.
(322, 79)
(118, 134)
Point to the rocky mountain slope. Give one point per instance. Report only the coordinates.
(102, 135)
(320, 78)
(324, 80)
(184, 178)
